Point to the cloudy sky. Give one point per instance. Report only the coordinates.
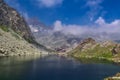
(74, 16)
(69, 11)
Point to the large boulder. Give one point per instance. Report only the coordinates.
(116, 49)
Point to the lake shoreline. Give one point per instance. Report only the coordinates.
(84, 59)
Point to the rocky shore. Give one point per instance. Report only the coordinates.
(116, 77)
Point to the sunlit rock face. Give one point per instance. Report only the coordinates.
(11, 18)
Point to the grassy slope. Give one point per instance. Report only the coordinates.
(98, 51)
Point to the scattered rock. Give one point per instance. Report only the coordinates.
(10, 46)
(116, 77)
(116, 49)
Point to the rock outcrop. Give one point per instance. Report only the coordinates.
(87, 43)
(9, 17)
(116, 49)
(116, 77)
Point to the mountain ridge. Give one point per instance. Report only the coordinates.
(89, 48)
(10, 17)
(16, 37)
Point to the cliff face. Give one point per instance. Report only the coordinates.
(10, 17)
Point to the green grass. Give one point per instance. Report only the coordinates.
(96, 52)
(7, 29)
(93, 60)
(4, 28)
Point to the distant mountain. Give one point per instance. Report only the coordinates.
(89, 48)
(50, 38)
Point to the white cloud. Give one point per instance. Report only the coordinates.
(50, 3)
(58, 26)
(100, 30)
(33, 29)
(94, 8)
(100, 21)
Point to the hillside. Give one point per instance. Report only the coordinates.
(11, 44)
(16, 37)
(89, 48)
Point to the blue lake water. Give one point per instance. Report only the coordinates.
(54, 68)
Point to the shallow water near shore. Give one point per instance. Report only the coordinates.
(54, 68)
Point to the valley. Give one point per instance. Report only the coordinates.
(29, 49)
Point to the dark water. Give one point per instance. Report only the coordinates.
(54, 68)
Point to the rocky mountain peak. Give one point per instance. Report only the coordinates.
(9, 17)
(86, 44)
(88, 40)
